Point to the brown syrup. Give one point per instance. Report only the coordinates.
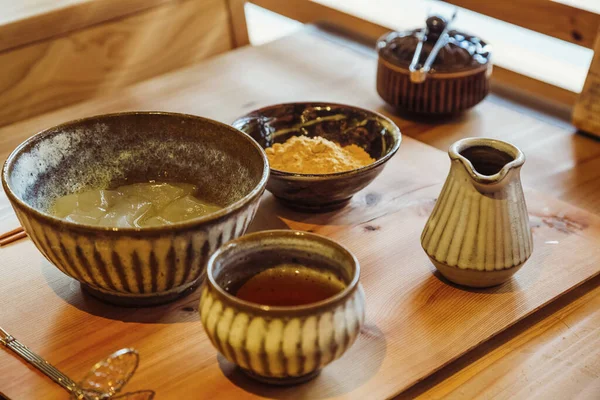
(290, 285)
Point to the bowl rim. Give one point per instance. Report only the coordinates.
(283, 311)
(223, 213)
(332, 175)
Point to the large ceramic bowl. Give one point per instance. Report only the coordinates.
(135, 266)
(346, 125)
(281, 344)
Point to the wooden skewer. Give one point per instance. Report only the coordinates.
(10, 233)
(13, 238)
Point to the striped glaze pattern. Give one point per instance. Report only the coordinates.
(135, 266)
(281, 347)
(437, 95)
(474, 227)
(130, 266)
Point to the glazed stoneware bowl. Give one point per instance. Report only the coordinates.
(277, 344)
(342, 124)
(135, 266)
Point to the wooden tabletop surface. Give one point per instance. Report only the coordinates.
(311, 66)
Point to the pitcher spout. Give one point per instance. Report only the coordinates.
(488, 161)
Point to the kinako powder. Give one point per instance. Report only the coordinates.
(304, 155)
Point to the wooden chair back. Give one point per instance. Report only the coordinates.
(63, 51)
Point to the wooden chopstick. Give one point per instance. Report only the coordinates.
(10, 233)
(13, 238)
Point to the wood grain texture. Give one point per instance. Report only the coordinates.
(554, 358)
(545, 16)
(26, 21)
(238, 22)
(102, 58)
(585, 112)
(415, 321)
(310, 12)
(526, 86)
(534, 75)
(394, 205)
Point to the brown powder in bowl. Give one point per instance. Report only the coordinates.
(304, 155)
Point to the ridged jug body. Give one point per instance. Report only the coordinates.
(478, 233)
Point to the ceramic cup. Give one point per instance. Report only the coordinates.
(277, 344)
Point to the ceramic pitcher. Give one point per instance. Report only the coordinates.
(478, 234)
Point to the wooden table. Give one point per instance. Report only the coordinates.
(553, 353)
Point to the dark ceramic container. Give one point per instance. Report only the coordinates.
(135, 266)
(459, 77)
(343, 124)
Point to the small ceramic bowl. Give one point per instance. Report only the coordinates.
(281, 345)
(135, 266)
(343, 124)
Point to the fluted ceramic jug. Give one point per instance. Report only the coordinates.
(478, 234)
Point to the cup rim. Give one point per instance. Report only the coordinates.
(518, 158)
(212, 217)
(298, 176)
(288, 311)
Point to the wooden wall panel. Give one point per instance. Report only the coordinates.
(545, 16)
(25, 21)
(97, 60)
(239, 28)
